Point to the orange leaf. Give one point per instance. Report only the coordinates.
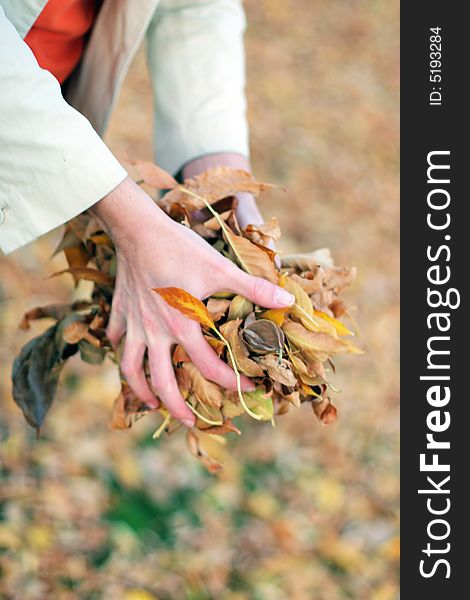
(187, 304)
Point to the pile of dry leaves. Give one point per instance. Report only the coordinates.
(286, 352)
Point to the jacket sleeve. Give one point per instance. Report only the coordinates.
(197, 66)
(53, 165)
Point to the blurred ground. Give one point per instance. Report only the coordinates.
(301, 511)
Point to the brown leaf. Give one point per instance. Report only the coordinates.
(127, 407)
(207, 392)
(213, 184)
(153, 175)
(308, 261)
(338, 278)
(180, 355)
(87, 274)
(337, 307)
(211, 464)
(278, 371)
(217, 307)
(52, 311)
(325, 411)
(263, 234)
(310, 285)
(230, 330)
(76, 331)
(188, 305)
(227, 427)
(263, 336)
(251, 258)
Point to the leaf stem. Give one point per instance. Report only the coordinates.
(208, 421)
(162, 427)
(237, 374)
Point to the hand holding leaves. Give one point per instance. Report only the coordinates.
(162, 254)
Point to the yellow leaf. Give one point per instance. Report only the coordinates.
(341, 329)
(138, 594)
(276, 315)
(187, 304)
(313, 341)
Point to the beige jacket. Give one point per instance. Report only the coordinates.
(53, 163)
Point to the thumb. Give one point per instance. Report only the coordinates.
(261, 292)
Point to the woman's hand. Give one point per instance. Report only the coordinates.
(154, 251)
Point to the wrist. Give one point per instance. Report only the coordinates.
(124, 209)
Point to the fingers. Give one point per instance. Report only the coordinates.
(132, 367)
(260, 291)
(208, 363)
(116, 327)
(164, 381)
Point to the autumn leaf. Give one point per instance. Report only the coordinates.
(227, 427)
(263, 234)
(217, 307)
(214, 184)
(239, 308)
(276, 315)
(77, 331)
(52, 311)
(278, 370)
(308, 261)
(187, 304)
(230, 330)
(340, 328)
(87, 274)
(153, 175)
(251, 258)
(206, 391)
(311, 340)
(211, 464)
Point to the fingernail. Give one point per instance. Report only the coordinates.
(284, 297)
(188, 422)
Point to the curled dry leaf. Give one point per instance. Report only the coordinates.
(263, 234)
(247, 366)
(76, 331)
(207, 392)
(153, 175)
(337, 278)
(325, 410)
(87, 274)
(278, 370)
(217, 307)
(52, 311)
(211, 464)
(263, 336)
(251, 258)
(214, 184)
(240, 308)
(312, 341)
(308, 261)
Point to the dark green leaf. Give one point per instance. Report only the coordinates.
(91, 354)
(35, 375)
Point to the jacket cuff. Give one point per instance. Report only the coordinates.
(81, 181)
